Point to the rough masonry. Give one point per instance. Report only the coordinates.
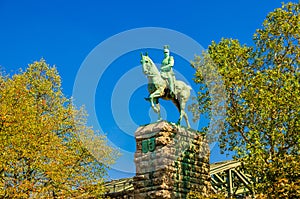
(170, 161)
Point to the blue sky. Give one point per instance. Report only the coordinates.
(68, 33)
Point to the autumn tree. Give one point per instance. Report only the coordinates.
(46, 148)
(262, 101)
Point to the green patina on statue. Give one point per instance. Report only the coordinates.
(166, 70)
(162, 84)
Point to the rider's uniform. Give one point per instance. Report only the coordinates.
(167, 73)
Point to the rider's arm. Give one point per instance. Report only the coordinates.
(171, 61)
(169, 65)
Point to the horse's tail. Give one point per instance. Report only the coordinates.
(188, 87)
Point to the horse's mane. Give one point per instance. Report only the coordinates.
(153, 64)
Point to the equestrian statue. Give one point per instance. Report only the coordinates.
(162, 84)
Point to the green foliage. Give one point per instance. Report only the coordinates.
(262, 85)
(44, 140)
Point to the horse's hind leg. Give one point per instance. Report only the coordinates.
(183, 113)
(180, 118)
(186, 120)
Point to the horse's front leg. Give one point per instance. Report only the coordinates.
(180, 117)
(159, 114)
(153, 95)
(152, 104)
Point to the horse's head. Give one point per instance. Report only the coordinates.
(149, 67)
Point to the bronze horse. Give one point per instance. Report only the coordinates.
(158, 88)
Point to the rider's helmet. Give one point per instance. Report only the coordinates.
(166, 49)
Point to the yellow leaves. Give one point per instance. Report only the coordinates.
(38, 132)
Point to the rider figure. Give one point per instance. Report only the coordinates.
(167, 71)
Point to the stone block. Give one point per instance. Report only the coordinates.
(175, 162)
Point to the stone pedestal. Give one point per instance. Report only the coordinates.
(170, 162)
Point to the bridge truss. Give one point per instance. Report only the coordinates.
(227, 177)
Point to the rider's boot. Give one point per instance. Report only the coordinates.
(172, 90)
